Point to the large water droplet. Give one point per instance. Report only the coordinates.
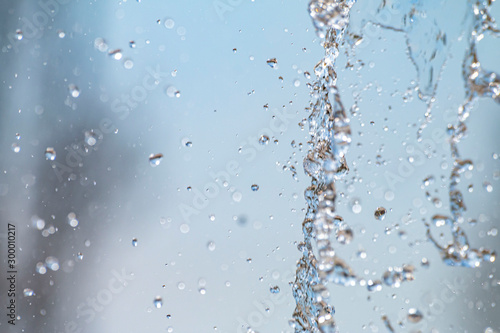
(414, 315)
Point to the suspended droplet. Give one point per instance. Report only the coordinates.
(134, 242)
(74, 91)
(272, 62)
(79, 255)
(72, 221)
(274, 289)
(128, 64)
(90, 138)
(414, 315)
(50, 154)
(28, 292)
(19, 34)
(264, 140)
(116, 54)
(488, 187)
(61, 34)
(255, 187)
(158, 302)
(132, 44)
(211, 246)
(380, 213)
(155, 159)
(189, 144)
(16, 148)
(169, 23)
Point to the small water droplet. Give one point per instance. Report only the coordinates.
(272, 62)
(189, 144)
(488, 187)
(158, 302)
(380, 213)
(28, 292)
(72, 221)
(134, 242)
(155, 159)
(274, 289)
(132, 44)
(74, 91)
(61, 34)
(79, 255)
(169, 23)
(414, 315)
(116, 54)
(128, 64)
(255, 187)
(50, 154)
(264, 140)
(211, 246)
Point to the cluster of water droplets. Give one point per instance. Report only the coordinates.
(478, 83)
(330, 136)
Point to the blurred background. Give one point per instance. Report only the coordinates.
(152, 165)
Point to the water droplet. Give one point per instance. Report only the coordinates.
(255, 187)
(19, 34)
(184, 228)
(74, 91)
(16, 148)
(274, 289)
(50, 154)
(374, 285)
(172, 92)
(158, 302)
(155, 159)
(79, 255)
(272, 62)
(132, 44)
(488, 187)
(116, 54)
(414, 315)
(90, 138)
(128, 64)
(380, 213)
(202, 291)
(189, 144)
(169, 23)
(264, 140)
(61, 34)
(72, 221)
(356, 206)
(211, 246)
(28, 292)
(235, 50)
(134, 242)
(52, 263)
(296, 83)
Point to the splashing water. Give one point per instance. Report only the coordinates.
(325, 163)
(478, 83)
(330, 136)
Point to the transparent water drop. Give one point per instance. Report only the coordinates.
(172, 92)
(189, 144)
(128, 64)
(27, 292)
(272, 62)
(132, 44)
(414, 315)
(184, 228)
(74, 91)
(274, 289)
(296, 83)
(19, 34)
(116, 54)
(356, 206)
(255, 187)
(90, 138)
(374, 285)
(158, 302)
(16, 148)
(155, 159)
(181, 286)
(72, 221)
(52, 263)
(211, 246)
(79, 256)
(169, 23)
(380, 213)
(202, 291)
(264, 140)
(134, 242)
(235, 50)
(50, 154)
(488, 187)
(61, 34)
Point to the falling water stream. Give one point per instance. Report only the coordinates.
(330, 136)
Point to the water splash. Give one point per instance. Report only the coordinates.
(478, 83)
(325, 163)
